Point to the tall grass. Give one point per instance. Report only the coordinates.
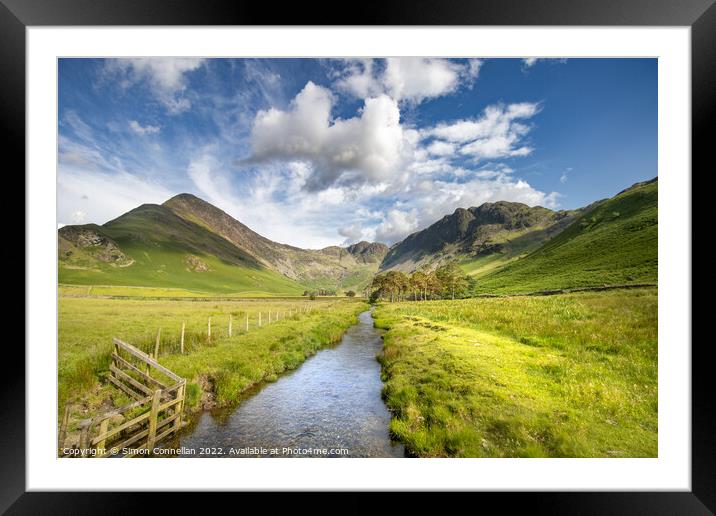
(572, 375)
(228, 364)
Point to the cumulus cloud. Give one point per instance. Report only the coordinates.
(396, 225)
(311, 178)
(371, 176)
(410, 79)
(165, 75)
(366, 148)
(358, 78)
(143, 129)
(352, 233)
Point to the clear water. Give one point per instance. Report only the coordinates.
(330, 406)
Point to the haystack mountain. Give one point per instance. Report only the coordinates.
(188, 243)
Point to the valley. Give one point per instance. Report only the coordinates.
(476, 360)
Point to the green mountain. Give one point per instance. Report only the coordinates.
(613, 242)
(151, 246)
(507, 247)
(331, 268)
(480, 238)
(187, 243)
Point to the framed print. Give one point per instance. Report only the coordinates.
(432, 248)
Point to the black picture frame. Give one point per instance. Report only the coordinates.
(700, 15)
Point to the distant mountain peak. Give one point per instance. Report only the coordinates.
(183, 196)
(469, 232)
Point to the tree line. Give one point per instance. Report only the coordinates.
(446, 282)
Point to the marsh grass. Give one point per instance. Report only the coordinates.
(573, 375)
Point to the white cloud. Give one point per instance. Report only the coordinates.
(143, 129)
(358, 79)
(529, 62)
(352, 233)
(313, 179)
(165, 75)
(81, 129)
(396, 225)
(498, 133)
(78, 217)
(366, 148)
(496, 120)
(495, 147)
(94, 197)
(416, 79)
(342, 214)
(272, 201)
(439, 148)
(411, 79)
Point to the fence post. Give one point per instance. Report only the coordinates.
(229, 325)
(84, 439)
(208, 331)
(153, 420)
(181, 342)
(179, 406)
(103, 443)
(269, 321)
(247, 321)
(259, 319)
(156, 345)
(63, 428)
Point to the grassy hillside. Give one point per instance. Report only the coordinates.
(513, 245)
(332, 268)
(573, 375)
(151, 246)
(612, 243)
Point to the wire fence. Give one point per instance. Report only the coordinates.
(187, 337)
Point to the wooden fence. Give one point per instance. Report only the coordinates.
(135, 429)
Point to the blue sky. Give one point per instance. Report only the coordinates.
(328, 152)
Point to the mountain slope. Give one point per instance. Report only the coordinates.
(614, 242)
(332, 267)
(152, 246)
(478, 236)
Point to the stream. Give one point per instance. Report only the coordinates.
(330, 406)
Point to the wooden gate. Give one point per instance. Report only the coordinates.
(156, 412)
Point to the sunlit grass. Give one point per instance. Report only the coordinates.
(229, 365)
(572, 375)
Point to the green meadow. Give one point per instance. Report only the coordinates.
(218, 368)
(573, 375)
(164, 268)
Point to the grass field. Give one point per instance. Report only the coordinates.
(573, 375)
(164, 268)
(123, 291)
(217, 370)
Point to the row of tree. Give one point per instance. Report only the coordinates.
(320, 292)
(446, 282)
